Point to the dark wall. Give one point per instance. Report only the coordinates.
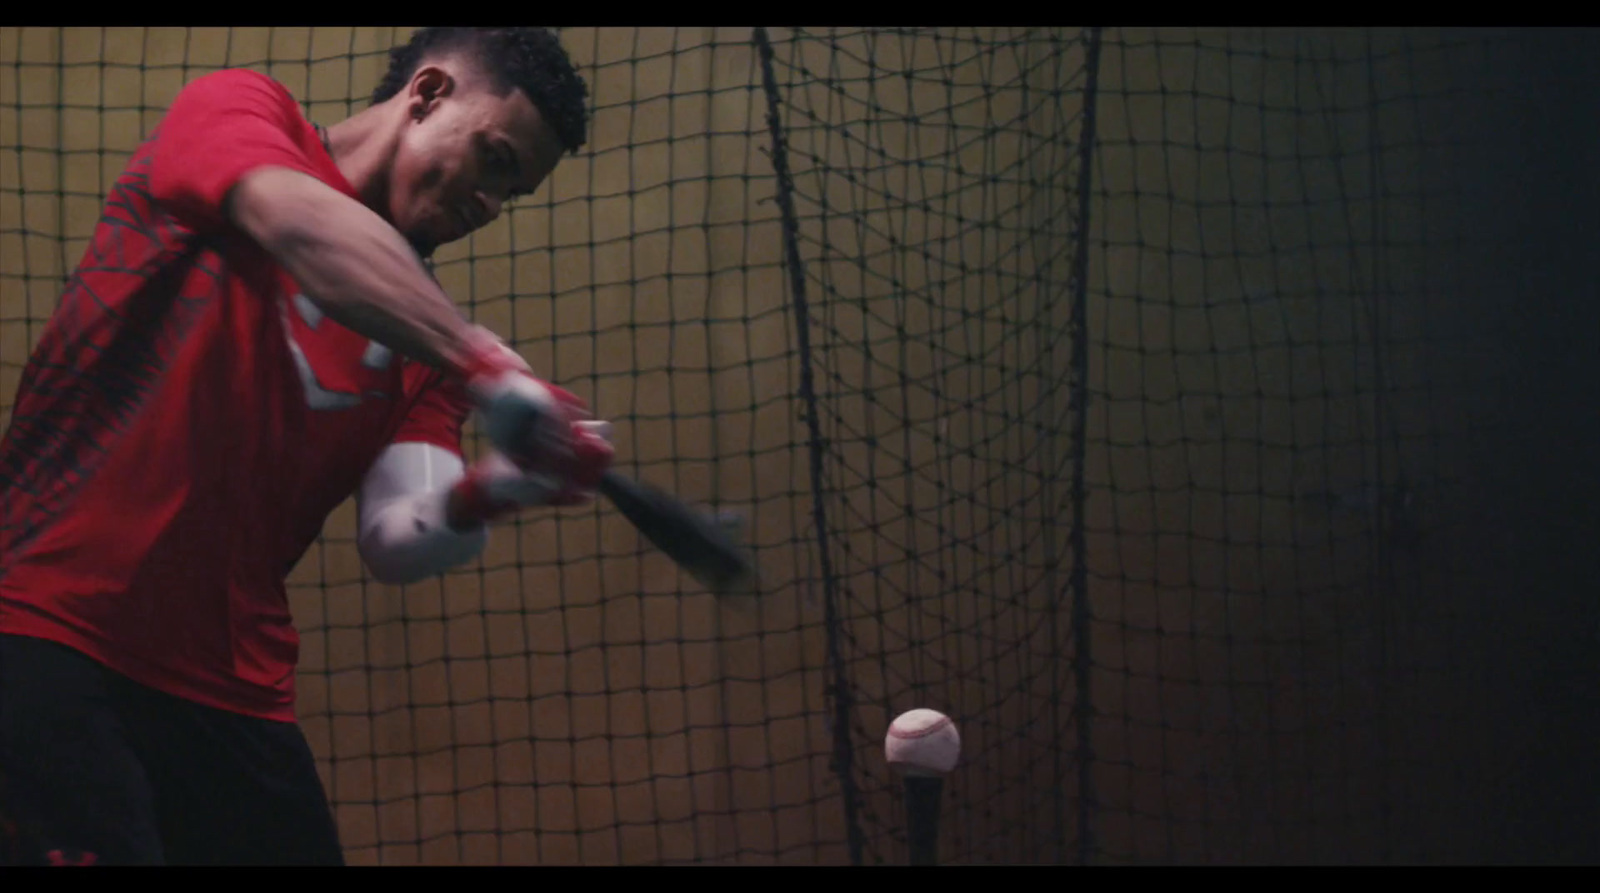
(1540, 206)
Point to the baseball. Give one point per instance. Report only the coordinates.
(923, 742)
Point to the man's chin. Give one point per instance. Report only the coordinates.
(424, 247)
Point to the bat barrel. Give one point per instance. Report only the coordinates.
(698, 544)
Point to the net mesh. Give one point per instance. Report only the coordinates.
(1118, 392)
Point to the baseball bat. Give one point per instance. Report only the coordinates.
(697, 543)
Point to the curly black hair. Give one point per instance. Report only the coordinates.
(529, 59)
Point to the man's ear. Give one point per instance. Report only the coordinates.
(430, 84)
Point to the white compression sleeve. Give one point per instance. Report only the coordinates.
(404, 537)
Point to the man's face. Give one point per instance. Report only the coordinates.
(464, 152)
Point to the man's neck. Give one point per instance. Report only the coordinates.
(362, 147)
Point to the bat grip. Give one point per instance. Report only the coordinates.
(614, 487)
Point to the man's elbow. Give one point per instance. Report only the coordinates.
(394, 564)
(384, 566)
(393, 574)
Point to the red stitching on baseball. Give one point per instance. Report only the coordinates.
(904, 735)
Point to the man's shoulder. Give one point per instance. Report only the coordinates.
(227, 77)
(242, 85)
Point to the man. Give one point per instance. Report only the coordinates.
(250, 338)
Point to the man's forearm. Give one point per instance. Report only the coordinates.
(410, 538)
(355, 266)
(406, 532)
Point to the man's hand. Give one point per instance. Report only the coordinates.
(495, 488)
(529, 420)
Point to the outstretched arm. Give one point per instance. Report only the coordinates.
(355, 266)
(232, 151)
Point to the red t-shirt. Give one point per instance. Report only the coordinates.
(187, 421)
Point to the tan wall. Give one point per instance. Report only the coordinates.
(570, 684)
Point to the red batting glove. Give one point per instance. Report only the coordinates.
(592, 455)
(494, 488)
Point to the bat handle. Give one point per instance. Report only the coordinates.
(610, 484)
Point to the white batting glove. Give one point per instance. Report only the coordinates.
(528, 420)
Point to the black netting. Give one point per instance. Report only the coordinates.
(1136, 397)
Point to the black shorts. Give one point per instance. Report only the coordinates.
(96, 769)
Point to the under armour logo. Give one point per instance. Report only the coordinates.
(332, 388)
(78, 858)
